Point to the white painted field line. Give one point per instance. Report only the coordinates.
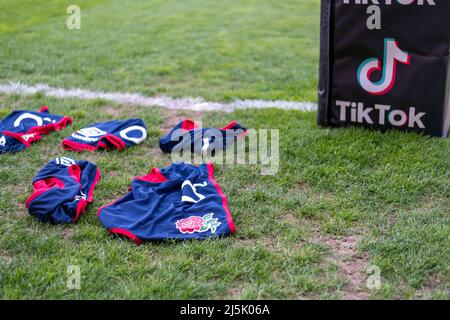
(196, 104)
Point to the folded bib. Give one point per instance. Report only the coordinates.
(187, 133)
(107, 135)
(23, 127)
(62, 190)
(179, 202)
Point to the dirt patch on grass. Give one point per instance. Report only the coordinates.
(122, 111)
(5, 259)
(156, 154)
(170, 120)
(67, 233)
(250, 187)
(291, 219)
(113, 111)
(430, 202)
(300, 188)
(173, 117)
(352, 264)
(235, 291)
(245, 241)
(434, 282)
(22, 212)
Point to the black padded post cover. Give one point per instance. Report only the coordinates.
(385, 64)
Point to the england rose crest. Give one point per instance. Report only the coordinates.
(198, 224)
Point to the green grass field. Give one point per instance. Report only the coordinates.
(221, 50)
(342, 200)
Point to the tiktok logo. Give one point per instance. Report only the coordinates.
(392, 55)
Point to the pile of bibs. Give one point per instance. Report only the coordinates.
(181, 201)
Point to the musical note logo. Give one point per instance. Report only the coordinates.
(392, 55)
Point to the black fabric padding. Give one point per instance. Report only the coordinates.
(422, 87)
(325, 60)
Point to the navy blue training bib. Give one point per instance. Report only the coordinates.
(179, 202)
(62, 190)
(23, 127)
(107, 135)
(187, 134)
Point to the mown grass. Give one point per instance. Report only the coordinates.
(215, 49)
(391, 190)
(295, 235)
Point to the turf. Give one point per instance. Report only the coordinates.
(342, 199)
(390, 190)
(219, 50)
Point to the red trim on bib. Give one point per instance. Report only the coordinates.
(155, 176)
(76, 146)
(46, 129)
(81, 208)
(115, 141)
(127, 234)
(43, 109)
(189, 124)
(75, 172)
(82, 203)
(42, 186)
(230, 125)
(97, 179)
(18, 136)
(231, 224)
